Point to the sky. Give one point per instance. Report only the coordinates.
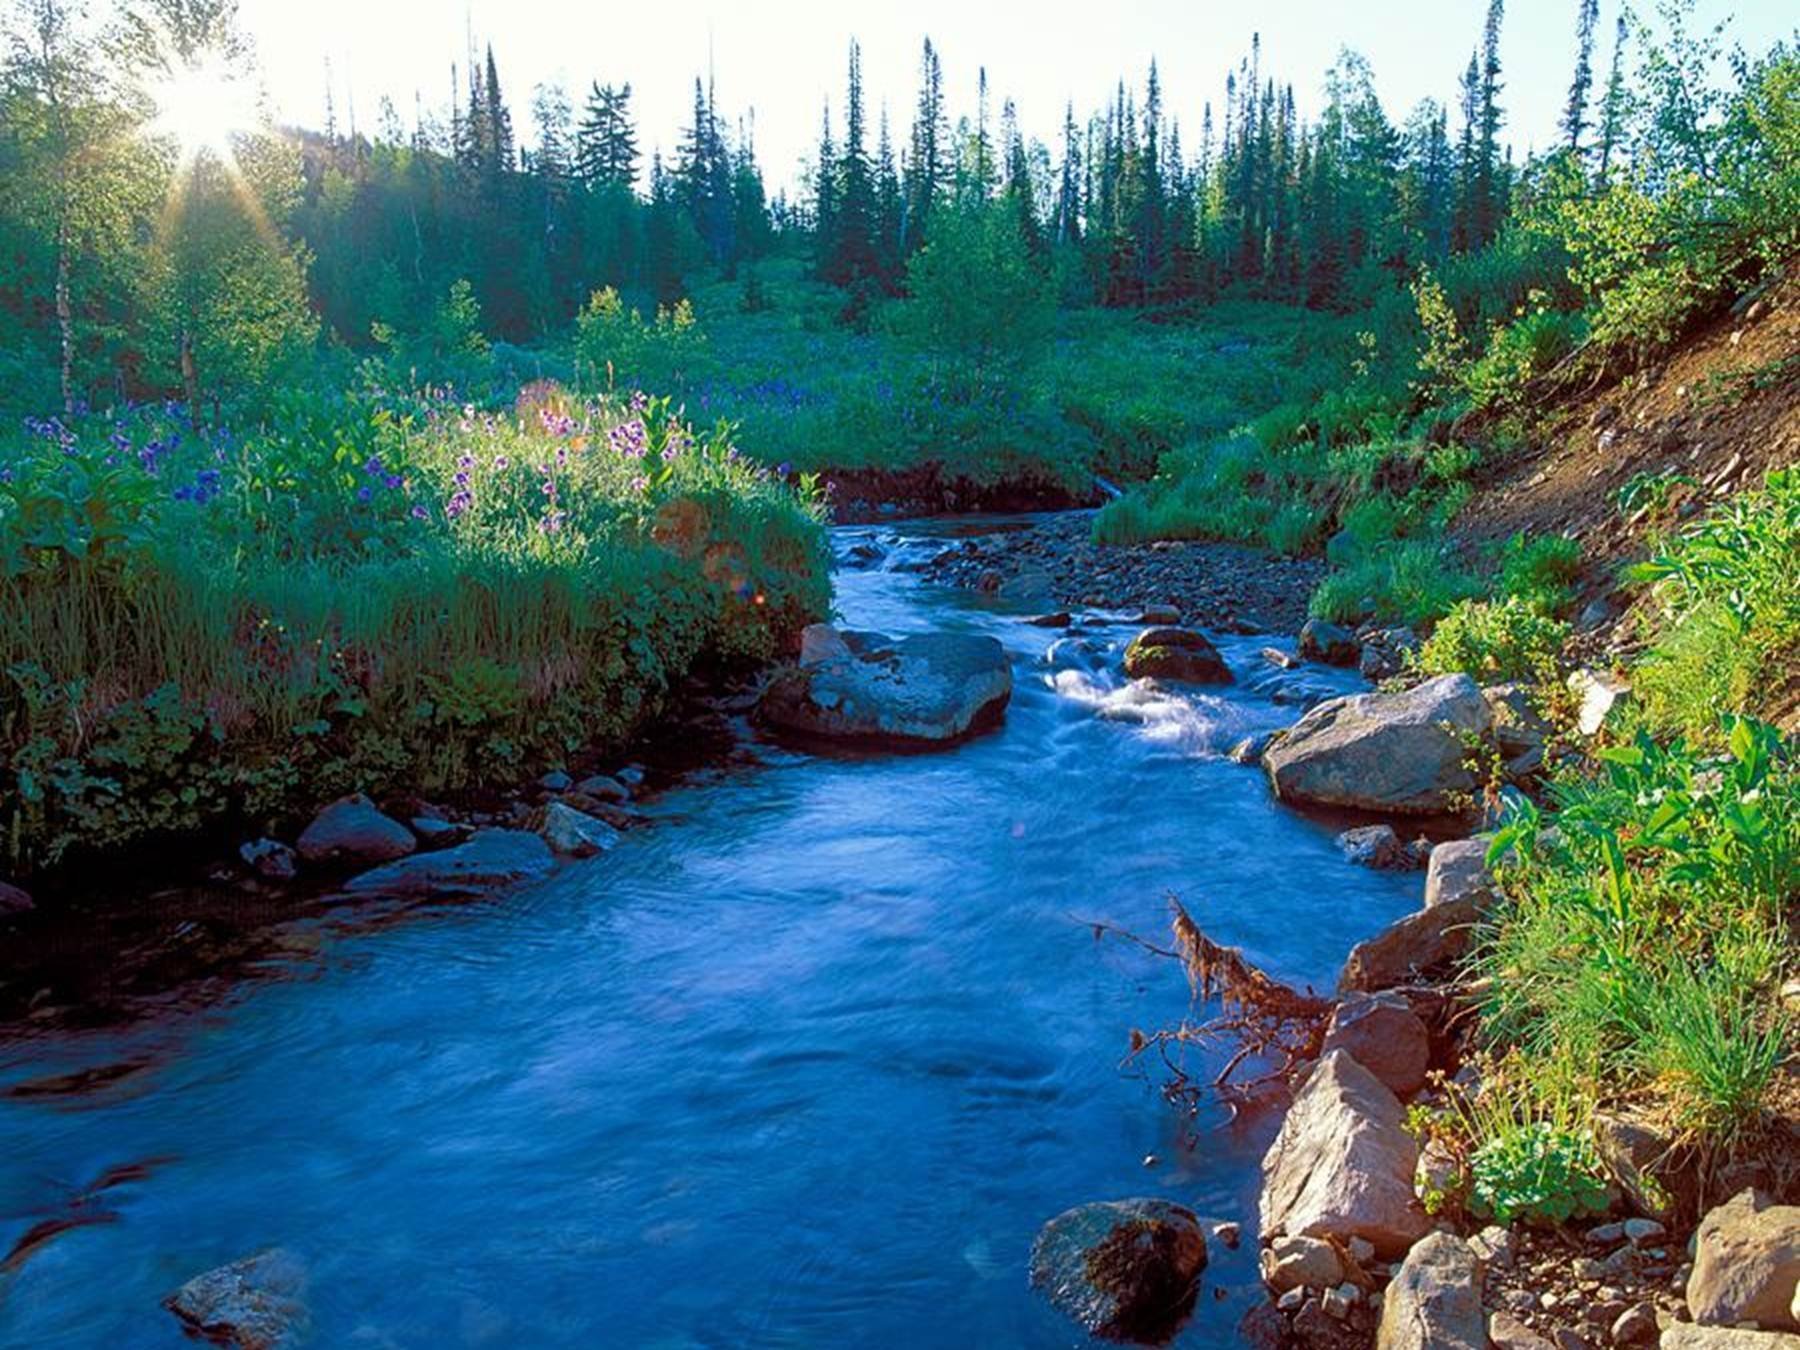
(783, 58)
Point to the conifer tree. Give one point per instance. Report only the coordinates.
(1574, 118)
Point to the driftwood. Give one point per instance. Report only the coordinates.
(1270, 1020)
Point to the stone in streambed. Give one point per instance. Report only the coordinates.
(268, 858)
(1400, 753)
(1175, 654)
(252, 1304)
(1322, 641)
(930, 688)
(603, 787)
(1125, 1270)
(353, 832)
(492, 858)
(1458, 871)
(575, 834)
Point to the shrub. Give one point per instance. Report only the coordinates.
(1540, 571)
(1412, 581)
(1510, 639)
(1519, 352)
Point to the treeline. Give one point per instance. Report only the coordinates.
(137, 264)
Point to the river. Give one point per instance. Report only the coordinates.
(807, 1063)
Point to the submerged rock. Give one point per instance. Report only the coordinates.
(1434, 1301)
(929, 688)
(1402, 753)
(252, 1304)
(353, 832)
(1342, 1166)
(1378, 846)
(1126, 1270)
(1175, 654)
(492, 858)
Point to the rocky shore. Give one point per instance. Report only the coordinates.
(1056, 563)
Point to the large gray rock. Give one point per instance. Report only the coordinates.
(1687, 1336)
(1420, 946)
(1383, 1034)
(929, 688)
(1342, 1166)
(1175, 654)
(1458, 871)
(351, 832)
(252, 1304)
(1434, 1301)
(491, 859)
(1398, 753)
(1126, 1270)
(1746, 1264)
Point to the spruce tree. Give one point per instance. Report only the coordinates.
(1574, 118)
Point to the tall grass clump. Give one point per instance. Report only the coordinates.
(395, 593)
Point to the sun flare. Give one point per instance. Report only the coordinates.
(201, 107)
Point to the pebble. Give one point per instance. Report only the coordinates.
(555, 781)
(1335, 1304)
(1291, 1301)
(1636, 1326)
(1643, 1231)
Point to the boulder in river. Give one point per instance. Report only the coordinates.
(14, 900)
(1747, 1264)
(930, 688)
(603, 787)
(492, 858)
(1126, 1270)
(1399, 753)
(352, 832)
(1434, 1300)
(1175, 654)
(1342, 1166)
(252, 1304)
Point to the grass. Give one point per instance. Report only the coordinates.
(398, 592)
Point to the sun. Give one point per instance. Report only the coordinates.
(200, 107)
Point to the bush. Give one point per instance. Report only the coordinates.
(1510, 639)
(1521, 351)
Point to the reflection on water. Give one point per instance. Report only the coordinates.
(807, 1063)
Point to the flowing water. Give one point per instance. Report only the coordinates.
(805, 1064)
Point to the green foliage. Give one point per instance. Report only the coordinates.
(1510, 639)
(1642, 940)
(1521, 351)
(1537, 1173)
(1540, 571)
(976, 295)
(1412, 581)
(402, 592)
(1728, 607)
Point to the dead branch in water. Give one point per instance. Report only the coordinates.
(1267, 1018)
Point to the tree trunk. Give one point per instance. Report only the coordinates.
(65, 315)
